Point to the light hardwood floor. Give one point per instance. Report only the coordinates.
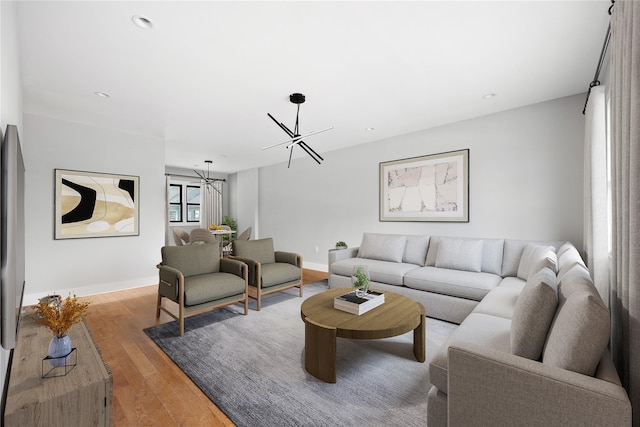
(148, 388)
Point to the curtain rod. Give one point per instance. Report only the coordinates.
(193, 177)
(603, 53)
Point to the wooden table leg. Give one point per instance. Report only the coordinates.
(320, 351)
(420, 339)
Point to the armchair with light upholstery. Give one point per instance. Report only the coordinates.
(197, 279)
(269, 270)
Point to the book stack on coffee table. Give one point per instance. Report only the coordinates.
(351, 303)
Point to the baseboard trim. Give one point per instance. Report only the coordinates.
(314, 266)
(98, 288)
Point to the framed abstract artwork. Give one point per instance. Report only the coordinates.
(94, 204)
(427, 188)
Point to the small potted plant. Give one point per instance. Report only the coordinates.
(341, 245)
(59, 316)
(360, 279)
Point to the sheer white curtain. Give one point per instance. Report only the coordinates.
(625, 175)
(211, 204)
(596, 218)
(167, 228)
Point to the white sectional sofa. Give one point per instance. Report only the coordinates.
(531, 348)
(448, 283)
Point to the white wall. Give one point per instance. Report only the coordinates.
(525, 183)
(10, 98)
(94, 265)
(244, 207)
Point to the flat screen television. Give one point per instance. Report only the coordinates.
(12, 277)
(11, 235)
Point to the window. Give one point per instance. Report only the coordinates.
(184, 203)
(193, 203)
(175, 203)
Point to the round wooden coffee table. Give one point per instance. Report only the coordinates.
(323, 324)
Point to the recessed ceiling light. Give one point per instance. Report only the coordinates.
(488, 96)
(369, 129)
(102, 94)
(142, 22)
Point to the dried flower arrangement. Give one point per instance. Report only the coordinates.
(60, 316)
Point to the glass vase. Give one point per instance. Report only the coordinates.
(59, 351)
(360, 279)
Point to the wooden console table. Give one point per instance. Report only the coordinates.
(80, 398)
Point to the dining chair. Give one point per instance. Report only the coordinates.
(180, 236)
(245, 235)
(201, 235)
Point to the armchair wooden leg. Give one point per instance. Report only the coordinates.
(158, 307)
(246, 305)
(181, 320)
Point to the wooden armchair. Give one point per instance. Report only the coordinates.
(269, 270)
(197, 279)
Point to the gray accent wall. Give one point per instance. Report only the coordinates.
(526, 182)
(93, 265)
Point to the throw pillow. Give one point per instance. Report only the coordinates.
(579, 334)
(460, 254)
(533, 314)
(415, 251)
(383, 247)
(534, 258)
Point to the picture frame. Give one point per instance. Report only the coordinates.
(95, 204)
(434, 187)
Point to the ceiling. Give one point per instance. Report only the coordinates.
(205, 76)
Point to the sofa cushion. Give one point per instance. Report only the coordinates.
(415, 250)
(477, 328)
(579, 334)
(576, 279)
(499, 302)
(383, 247)
(260, 250)
(533, 314)
(457, 283)
(379, 271)
(512, 282)
(513, 250)
(492, 250)
(534, 258)
(460, 254)
(567, 259)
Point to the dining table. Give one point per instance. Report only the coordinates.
(219, 235)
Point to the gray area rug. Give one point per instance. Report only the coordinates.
(252, 368)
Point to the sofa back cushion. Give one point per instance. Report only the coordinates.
(260, 250)
(533, 313)
(578, 334)
(577, 278)
(534, 258)
(415, 250)
(568, 257)
(513, 250)
(192, 260)
(492, 250)
(383, 247)
(460, 254)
